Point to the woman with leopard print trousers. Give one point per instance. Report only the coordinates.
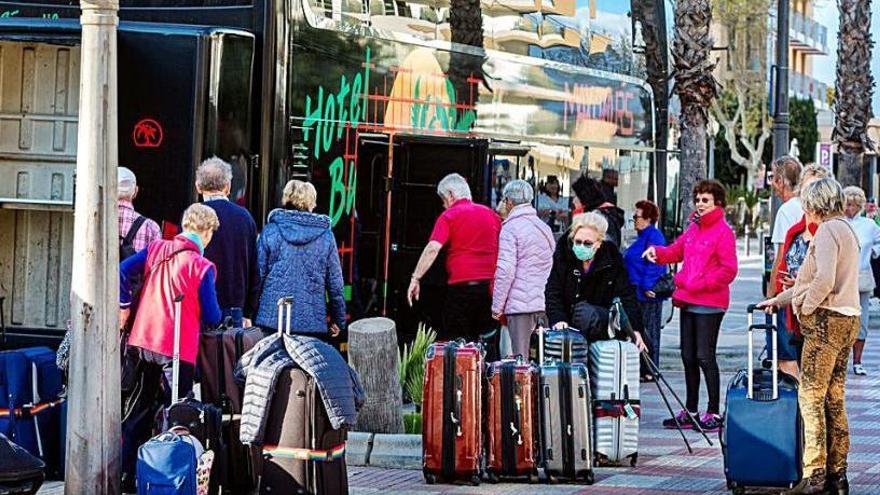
(825, 298)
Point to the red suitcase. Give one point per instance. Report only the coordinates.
(452, 413)
(511, 436)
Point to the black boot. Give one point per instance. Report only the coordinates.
(814, 485)
(837, 484)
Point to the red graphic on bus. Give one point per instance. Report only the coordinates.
(147, 134)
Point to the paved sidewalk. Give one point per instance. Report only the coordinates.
(664, 464)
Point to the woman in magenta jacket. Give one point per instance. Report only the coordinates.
(707, 250)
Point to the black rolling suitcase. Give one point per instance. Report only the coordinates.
(302, 453)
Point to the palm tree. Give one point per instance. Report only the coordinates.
(696, 88)
(854, 86)
(466, 26)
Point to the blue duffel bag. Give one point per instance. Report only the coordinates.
(762, 435)
(30, 397)
(167, 464)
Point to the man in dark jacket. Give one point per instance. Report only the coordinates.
(591, 196)
(586, 269)
(234, 247)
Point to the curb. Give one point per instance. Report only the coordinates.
(384, 450)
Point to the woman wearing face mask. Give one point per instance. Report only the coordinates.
(588, 269)
(707, 251)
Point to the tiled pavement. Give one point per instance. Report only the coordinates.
(665, 467)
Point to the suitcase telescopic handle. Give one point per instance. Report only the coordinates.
(774, 354)
(285, 308)
(175, 361)
(540, 330)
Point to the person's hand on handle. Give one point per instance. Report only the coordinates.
(768, 305)
(334, 330)
(412, 294)
(639, 342)
(246, 323)
(650, 254)
(651, 294)
(560, 325)
(787, 281)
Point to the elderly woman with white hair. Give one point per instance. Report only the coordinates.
(297, 256)
(525, 256)
(587, 269)
(869, 239)
(825, 298)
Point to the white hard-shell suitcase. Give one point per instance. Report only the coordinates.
(614, 380)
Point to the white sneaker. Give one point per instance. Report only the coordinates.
(860, 370)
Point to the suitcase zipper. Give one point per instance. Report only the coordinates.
(451, 406)
(509, 419)
(565, 413)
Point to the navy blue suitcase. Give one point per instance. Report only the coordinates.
(762, 435)
(30, 390)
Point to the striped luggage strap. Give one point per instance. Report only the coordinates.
(30, 410)
(333, 454)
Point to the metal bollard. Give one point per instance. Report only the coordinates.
(748, 242)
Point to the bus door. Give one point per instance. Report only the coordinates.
(507, 162)
(415, 168)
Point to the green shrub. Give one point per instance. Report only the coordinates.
(412, 423)
(411, 370)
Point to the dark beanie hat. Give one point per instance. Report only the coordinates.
(589, 192)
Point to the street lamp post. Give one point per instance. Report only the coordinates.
(712, 129)
(94, 399)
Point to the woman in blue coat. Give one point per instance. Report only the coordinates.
(297, 257)
(644, 275)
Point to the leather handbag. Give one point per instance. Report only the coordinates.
(664, 287)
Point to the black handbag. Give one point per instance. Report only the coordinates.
(664, 287)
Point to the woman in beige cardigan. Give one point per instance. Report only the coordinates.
(825, 298)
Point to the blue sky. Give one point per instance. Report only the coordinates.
(613, 18)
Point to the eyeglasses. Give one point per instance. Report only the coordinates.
(636, 217)
(578, 242)
(703, 199)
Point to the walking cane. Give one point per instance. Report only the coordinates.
(630, 333)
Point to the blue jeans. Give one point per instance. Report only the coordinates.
(787, 350)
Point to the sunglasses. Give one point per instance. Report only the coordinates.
(578, 242)
(703, 199)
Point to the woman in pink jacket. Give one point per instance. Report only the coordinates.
(702, 291)
(525, 257)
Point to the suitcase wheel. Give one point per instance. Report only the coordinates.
(492, 477)
(633, 460)
(475, 480)
(430, 478)
(739, 490)
(588, 476)
(552, 479)
(533, 477)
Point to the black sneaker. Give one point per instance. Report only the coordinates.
(684, 420)
(837, 483)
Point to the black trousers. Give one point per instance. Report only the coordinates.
(699, 338)
(467, 312)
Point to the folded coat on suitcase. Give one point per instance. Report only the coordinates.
(762, 434)
(302, 453)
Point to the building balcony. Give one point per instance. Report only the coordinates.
(807, 35)
(806, 87)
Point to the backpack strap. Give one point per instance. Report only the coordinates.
(133, 230)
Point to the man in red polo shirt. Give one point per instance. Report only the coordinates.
(470, 232)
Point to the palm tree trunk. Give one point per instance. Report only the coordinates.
(696, 88)
(854, 88)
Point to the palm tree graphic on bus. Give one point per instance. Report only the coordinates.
(147, 134)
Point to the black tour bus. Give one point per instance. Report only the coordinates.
(288, 89)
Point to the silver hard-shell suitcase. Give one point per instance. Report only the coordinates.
(614, 380)
(565, 419)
